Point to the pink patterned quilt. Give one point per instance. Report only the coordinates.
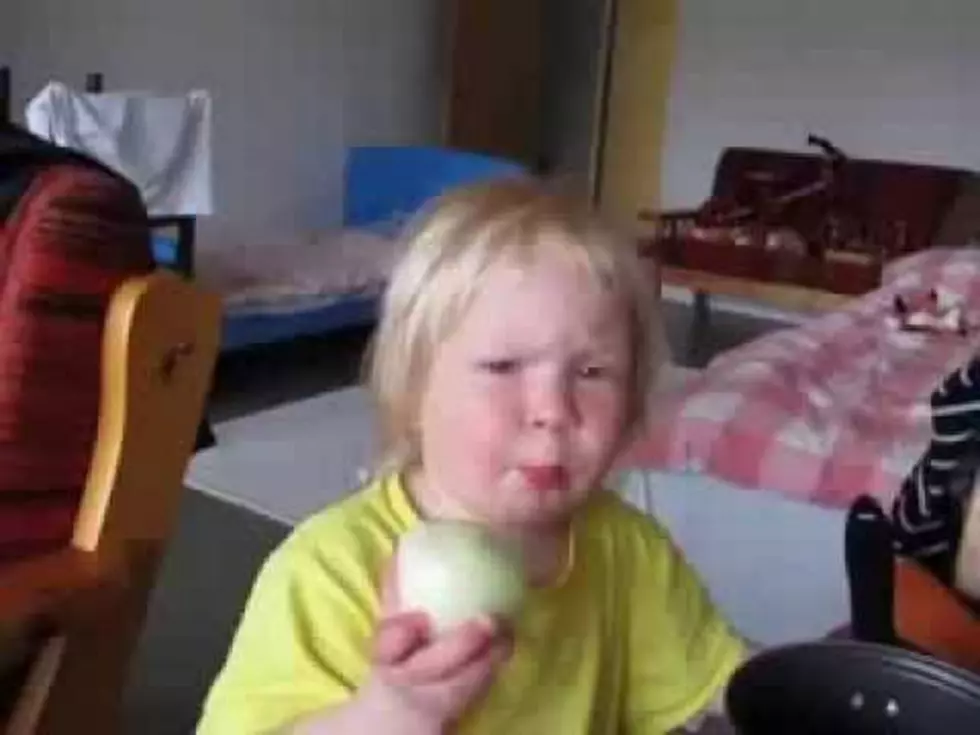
(825, 411)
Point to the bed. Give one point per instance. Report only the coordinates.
(754, 461)
(316, 282)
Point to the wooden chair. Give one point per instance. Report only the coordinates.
(69, 621)
(933, 618)
(897, 601)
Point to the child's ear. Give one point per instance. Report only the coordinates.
(967, 568)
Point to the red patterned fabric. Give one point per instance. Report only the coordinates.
(836, 407)
(73, 236)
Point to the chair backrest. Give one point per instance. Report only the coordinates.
(931, 617)
(160, 345)
(70, 233)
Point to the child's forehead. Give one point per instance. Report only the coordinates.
(518, 299)
(547, 262)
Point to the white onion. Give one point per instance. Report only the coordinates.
(456, 571)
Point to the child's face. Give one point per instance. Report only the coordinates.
(525, 405)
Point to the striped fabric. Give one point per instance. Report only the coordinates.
(928, 511)
(68, 241)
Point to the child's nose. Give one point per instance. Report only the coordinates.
(554, 408)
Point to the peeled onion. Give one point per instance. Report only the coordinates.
(455, 571)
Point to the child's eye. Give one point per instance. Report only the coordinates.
(500, 367)
(593, 372)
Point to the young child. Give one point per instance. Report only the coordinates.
(512, 361)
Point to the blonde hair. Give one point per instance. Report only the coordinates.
(448, 249)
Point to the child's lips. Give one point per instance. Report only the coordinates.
(545, 477)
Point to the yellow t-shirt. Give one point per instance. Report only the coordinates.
(629, 642)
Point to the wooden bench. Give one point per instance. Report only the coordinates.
(846, 216)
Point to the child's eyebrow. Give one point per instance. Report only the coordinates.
(602, 346)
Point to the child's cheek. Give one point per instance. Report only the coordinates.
(483, 426)
(489, 439)
(606, 410)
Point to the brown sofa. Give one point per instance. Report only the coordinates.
(824, 220)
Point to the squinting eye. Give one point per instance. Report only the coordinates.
(499, 367)
(593, 371)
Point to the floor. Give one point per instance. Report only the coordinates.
(218, 548)
(200, 592)
(262, 377)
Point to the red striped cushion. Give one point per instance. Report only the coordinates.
(71, 240)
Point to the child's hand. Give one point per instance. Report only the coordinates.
(432, 680)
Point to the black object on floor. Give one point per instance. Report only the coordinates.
(852, 688)
(205, 436)
(870, 561)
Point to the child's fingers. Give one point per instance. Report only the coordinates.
(451, 652)
(399, 637)
(477, 674)
(467, 683)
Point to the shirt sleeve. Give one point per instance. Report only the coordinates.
(302, 644)
(681, 652)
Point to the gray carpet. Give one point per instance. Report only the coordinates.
(218, 547)
(195, 607)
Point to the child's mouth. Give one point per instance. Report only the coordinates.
(545, 477)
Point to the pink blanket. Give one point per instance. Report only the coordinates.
(826, 411)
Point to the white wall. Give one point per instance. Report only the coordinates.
(881, 78)
(395, 67)
(293, 83)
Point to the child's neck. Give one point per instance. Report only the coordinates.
(546, 548)
(547, 553)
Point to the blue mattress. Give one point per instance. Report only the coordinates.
(248, 330)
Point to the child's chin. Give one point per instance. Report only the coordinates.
(545, 515)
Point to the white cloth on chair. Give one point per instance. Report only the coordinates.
(161, 144)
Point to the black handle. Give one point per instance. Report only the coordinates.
(869, 558)
(5, 116)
